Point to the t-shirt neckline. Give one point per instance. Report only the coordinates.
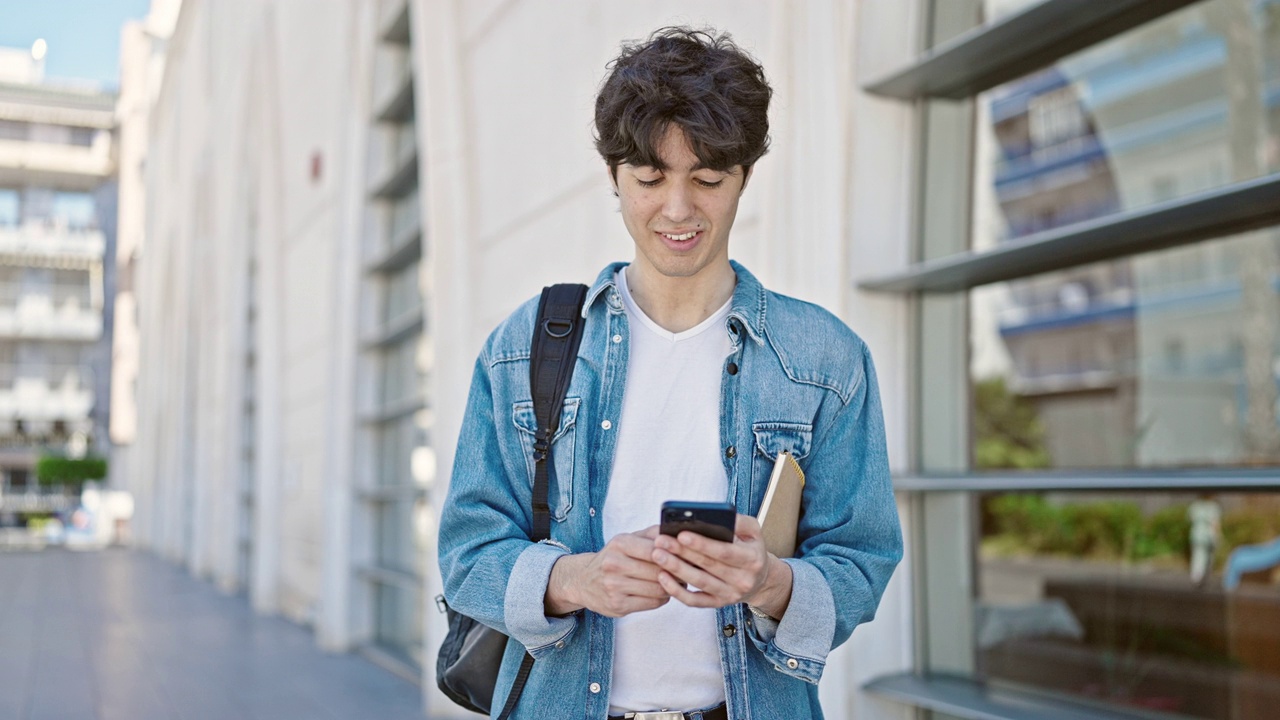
(621, 279)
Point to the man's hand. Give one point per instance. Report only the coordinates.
(724, 573)
(619, 580)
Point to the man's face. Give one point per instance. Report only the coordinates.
(679, 216)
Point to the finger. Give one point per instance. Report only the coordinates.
(692, 575)
(691, 598)
(640, 604)
(648, 533)
(729, 553)
(623, 565)
(746, 527)
(633, 545)
(710, 564)
(639, 588)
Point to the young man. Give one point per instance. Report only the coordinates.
(690, 379)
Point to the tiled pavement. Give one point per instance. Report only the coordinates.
(123, 635)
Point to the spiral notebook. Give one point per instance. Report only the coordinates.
(779, 514)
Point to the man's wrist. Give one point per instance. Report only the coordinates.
(775, 595)
(561, 598)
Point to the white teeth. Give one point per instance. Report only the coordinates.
(686, 236)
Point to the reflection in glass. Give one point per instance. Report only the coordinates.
(1130, 599)
(1162, 360)
(1177, 370)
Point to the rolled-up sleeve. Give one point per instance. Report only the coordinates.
(525, 605)
(798, 644)
(850, 535)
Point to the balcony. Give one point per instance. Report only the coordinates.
(38, 242)
(41, 395)
(56, 313)
(66, 167)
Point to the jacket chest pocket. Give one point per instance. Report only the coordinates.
(563, 447)
(771, 439)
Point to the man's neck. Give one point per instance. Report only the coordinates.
(679, 303)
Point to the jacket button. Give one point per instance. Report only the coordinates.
(559, 644)
(729, 630)
(732, 369)
(595, 688)
(617, 338)
(606, 425)
(730, 451)
(791, 663)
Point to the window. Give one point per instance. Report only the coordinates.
(9, 208)
(1105, 435)
(14, 130)
(1173, 367)
(1158, 601)
(76, 211)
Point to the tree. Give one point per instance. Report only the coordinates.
(1007, 430)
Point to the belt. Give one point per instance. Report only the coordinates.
(715, 713)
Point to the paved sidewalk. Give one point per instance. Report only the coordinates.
(118, 635)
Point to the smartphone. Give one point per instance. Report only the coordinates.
(709, 519)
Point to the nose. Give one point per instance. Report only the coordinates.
(677, 206)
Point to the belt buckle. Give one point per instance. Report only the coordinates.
(666, 715)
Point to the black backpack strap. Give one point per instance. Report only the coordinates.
(556, 337)
(557, 333)
(517, 687)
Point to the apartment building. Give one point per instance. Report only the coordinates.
(57, 227)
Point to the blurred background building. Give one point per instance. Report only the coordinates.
(1054, 223)
(57, 229)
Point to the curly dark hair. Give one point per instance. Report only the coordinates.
(697, 79)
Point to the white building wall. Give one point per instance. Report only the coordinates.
(250, 141)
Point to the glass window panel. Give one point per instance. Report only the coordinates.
(398, 623)
(1163, 360)
(401, 535)
(1158, 601)
(14, 130)
(8, 208)
(400, 376)
(405, 214)
(402, 295)
(396, 440)
(76, 211)
(1184, 104)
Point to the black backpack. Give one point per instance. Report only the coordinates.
(471, 654)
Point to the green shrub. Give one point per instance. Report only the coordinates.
(1166, 533)
(1007, 430)
(56, 470)
(1111, 529)
(1106, 529)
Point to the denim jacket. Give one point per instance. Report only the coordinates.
(797, 379)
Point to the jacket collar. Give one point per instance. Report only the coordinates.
(747, 307)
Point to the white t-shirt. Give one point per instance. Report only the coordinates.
(668, 449)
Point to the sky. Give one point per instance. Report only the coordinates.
(83, 35)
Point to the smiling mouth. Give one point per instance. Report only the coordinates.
(682, 237)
